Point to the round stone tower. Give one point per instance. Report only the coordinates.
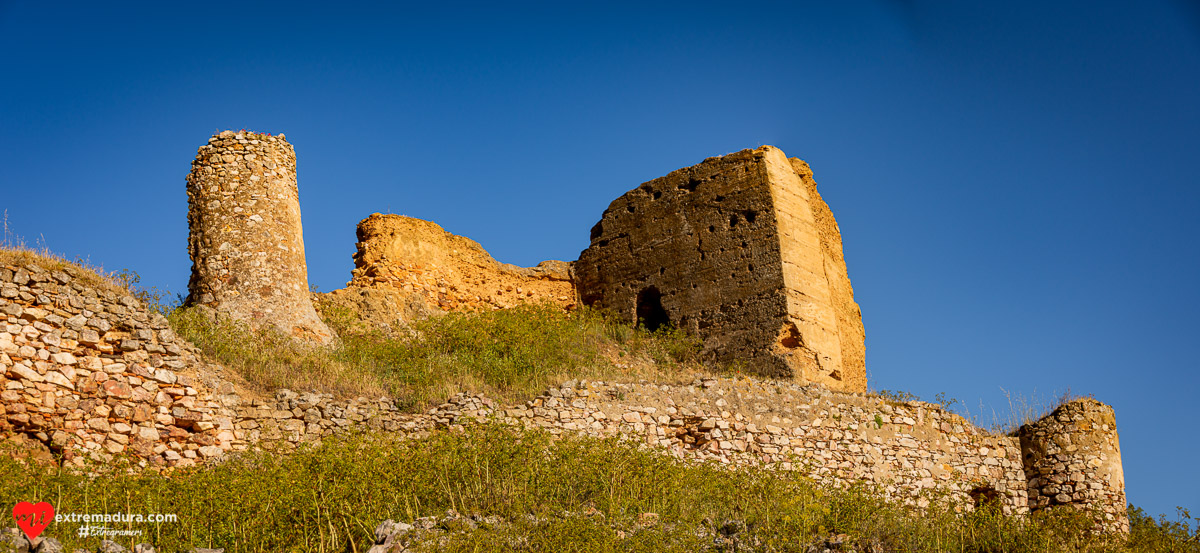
(245, 238)
(1072, 457)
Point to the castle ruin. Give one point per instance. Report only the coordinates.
(1073, 457)
(406, 268)
(245, 237)
(741, 251)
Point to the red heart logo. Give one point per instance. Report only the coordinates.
(33, 518)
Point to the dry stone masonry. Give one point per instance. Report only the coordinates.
(245, 241)
(1073, 457)
(88, 373)
(910, 450)
(406, 268)
(742, 251)
(739, 249)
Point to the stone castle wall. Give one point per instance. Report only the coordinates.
(741, 250)
(910, 450)
(89, 374)
(851, 334)
(1073, 457)
(246, 241)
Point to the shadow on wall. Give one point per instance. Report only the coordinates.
(650, 312)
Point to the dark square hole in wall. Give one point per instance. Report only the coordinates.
(650, 312)
(985, 497)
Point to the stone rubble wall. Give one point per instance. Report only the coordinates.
(741, 251)
(292, 418)
(406, 268)
(1073, 457)
(913, 451)
(89, 373)
(245, 238)
(908, 449)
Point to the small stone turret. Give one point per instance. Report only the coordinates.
(245, 240)
(1072, 457)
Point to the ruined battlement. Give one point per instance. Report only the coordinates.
(88, 374)
(407, 268)
(1073, 457)
(742, 251)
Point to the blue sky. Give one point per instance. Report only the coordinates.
(1015, 182)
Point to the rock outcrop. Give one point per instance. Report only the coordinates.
(406, 268)
(742, 251)
(246, 241)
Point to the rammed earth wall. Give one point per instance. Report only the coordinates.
(406, 269)
(89, 373)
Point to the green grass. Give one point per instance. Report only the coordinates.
(330, 498)
(509, 354)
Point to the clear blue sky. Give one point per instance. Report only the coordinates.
(1016, 182)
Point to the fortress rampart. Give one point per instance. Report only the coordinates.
(88, 374)
(405, 268)
(1073, 457)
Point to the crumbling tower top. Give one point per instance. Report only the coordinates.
(1073, 457)
(742, 251)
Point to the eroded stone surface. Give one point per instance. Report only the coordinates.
(159, 402)
(89, 374)
(741, 250)
(407, 268)
(246, 241)
(1073, 457)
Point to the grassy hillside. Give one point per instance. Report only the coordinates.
(511, 489)
(509, 355)
(530, 492)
